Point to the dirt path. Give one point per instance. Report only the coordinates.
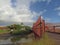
(55, 37)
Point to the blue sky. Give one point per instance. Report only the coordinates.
(50, 8)
(13, 3)
(28, 11)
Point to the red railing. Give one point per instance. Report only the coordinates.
(39, 27)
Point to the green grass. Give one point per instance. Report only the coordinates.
(3, 31)
(45, 40)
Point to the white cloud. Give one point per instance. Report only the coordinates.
(58, 13)
(40, 13)
(47, 19)
(20, 13)
(58, 8)
(48, 1)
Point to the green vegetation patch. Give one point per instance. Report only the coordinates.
(21, 32)
(3, 31)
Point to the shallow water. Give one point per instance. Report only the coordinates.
(14, 40)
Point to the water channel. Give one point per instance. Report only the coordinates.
(14, 39)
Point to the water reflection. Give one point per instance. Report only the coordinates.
(14, 40)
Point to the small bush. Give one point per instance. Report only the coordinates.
(21, 32)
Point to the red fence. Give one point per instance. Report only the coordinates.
(39, 27)
(53, 29)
